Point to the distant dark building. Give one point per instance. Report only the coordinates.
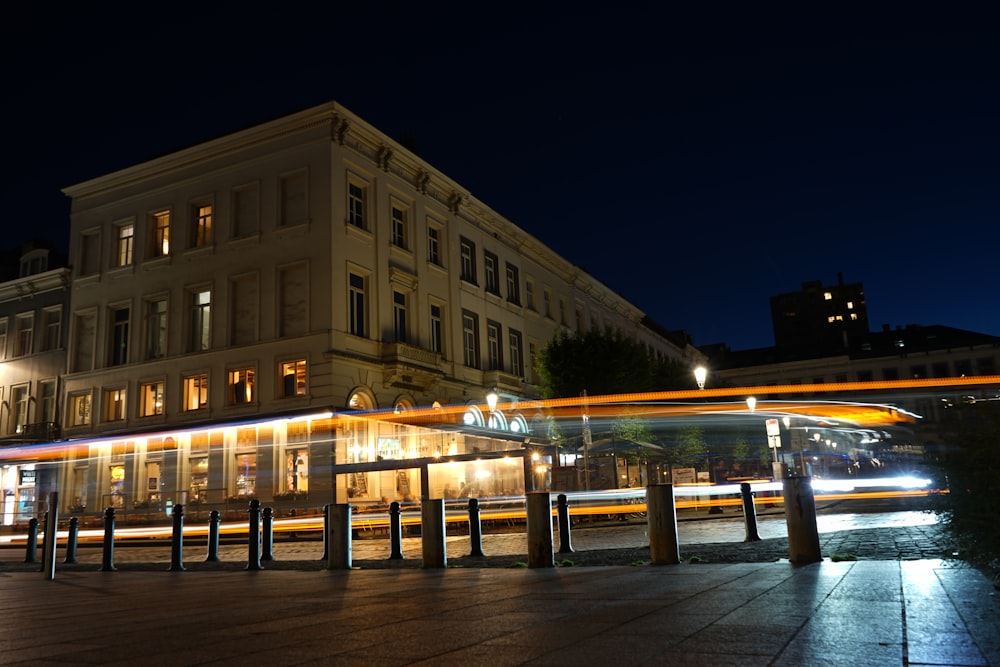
(820, 318)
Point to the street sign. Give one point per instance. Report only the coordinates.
(772, 427)
(774, 441)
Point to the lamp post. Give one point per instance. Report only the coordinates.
(700, 374)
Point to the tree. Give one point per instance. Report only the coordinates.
(602, 363)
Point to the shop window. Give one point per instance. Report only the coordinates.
(246, 475)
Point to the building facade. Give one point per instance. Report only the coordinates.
(305, 266)
(820, 317)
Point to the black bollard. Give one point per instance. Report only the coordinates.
(475, 529)
(73, 535)
(395, 532)
(32, 541)
(108, 558)
(213, 537)
(565, 546)
(253, 537)
(267, 535)
(326, 533)
(177, 540)
(749, 513)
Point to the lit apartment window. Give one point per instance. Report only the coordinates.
(150, 399)
(201, 232)
(513, 285)
(470, 339)
(196, 392)
(293, 378)
(398, 227)
(156, 328)
(827, 296)
(242, 386)
(493, 355)
(516, 356)
(850, 305)
(491, 272)
(24, 331)
(124, 243)
(159, 226)
(79, 409)
(118, 353)
(356, 316)
(437, 338)
(468, 252)
(854, 316)
(201, 320)
(356, 205)
(114, 405)
(399, 316)
(434, 245)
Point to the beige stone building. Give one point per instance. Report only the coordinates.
(309, 265)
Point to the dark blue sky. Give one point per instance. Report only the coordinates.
(696, 162)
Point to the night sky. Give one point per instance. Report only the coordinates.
(695, 162)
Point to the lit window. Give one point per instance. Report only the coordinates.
(850, 304)
(150, 399)
(854, 316)
(201, 318)
(114, 405)
(293, 378)
(159, 224)
(827, 296)
(242, 386)
(196, 392)
(124, 240)
(79, 409)
(201, 234)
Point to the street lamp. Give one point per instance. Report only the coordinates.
(700, 373)
(751, 403)
(491, 399)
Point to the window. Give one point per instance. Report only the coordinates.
(246, 474)
(437, 339)
(84, 341)
(398, 227)
(52, 323)
(516, 357)
(547, 302)
(491, 271)
(118, 354)
(24, 330)
(356, 205)
(468, 251)
(246, 211)
(579, 319)
(156, 328)
(150, 399)
(124, 243)
(827, 296)
(196, 392)
(470, 339)
(79, 409)
(293, 378)
(293, 193)
(114, 405)
(494, 358)
(242, 386)
(34, 262)
(18, 408)
(47, 392)
(201, 231)
(532, 355)
(399, 317)
(562, 311)
(3, 338)
(434, 244)
(159, 227)
(90, 253)
(513, 285)
(890, 373)
(356, 305)
(201, 319)
(529, 293)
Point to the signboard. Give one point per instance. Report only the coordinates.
(683, 476)
(772, 427)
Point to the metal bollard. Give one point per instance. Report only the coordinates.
(326, 533)
(32, 541)
(268, 535)
(749, 513)
(213, 536)
(475, 528)
(253, 537)
(108, 558)
(395, 532)
(340, 538)
(800, 517)
(71, 540)
(539, 520)
(434, 548)
(177, 540)
(565, 546)
(661, 517)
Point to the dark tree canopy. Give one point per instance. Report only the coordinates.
(605, 364)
